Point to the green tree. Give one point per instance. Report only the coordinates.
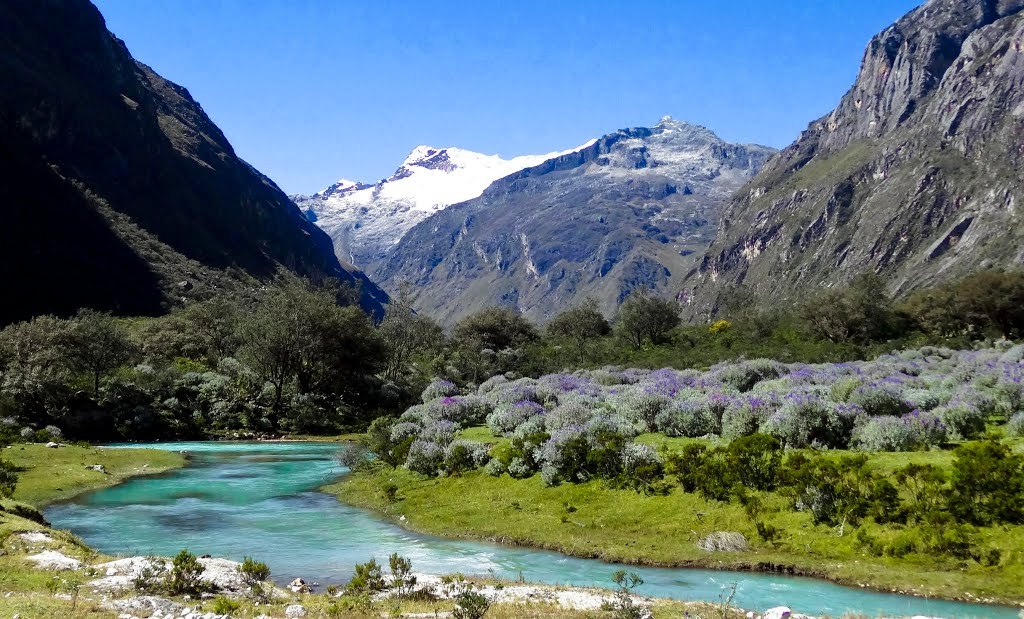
(986, 484)
(496, 328)
(862, 312)
(298, 336)
(581, 325)
(490, 341)
(644, 317)
(984, 302)
(406, 334)
(97, 344)
(35, 365)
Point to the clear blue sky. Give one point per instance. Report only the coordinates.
(312, 91)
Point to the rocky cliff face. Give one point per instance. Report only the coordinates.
(633, 209)
(118, 191)
(916, 175)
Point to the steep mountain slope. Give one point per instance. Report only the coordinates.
(633, 209)
(118, 191)
(916, 175)
(366, 220)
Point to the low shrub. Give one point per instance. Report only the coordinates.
(425, 457)
(185, 577)
(962, 421)
(367, 579)
(691, 418)
(439, 389)
(1015, 427)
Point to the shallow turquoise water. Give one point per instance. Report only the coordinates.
(260, 499)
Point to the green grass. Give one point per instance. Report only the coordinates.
(49, 475)
(623, 526)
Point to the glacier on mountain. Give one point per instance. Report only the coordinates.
(365, 220)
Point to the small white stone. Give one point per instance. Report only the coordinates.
(779, 612)
(294, 611)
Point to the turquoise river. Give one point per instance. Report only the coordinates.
(261, 500)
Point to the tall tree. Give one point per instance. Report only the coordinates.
(299, 336)
(861, 312)
(644, 317)
(98, 344)
(581, 325)
(406, 334)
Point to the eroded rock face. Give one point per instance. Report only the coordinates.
(915, 175)
(633, 209)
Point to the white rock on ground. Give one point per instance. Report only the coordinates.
(576, 598)
(222, 573)
(53, 560)
(295, 611)
(152, 607)
(35, 537)
(779, 612)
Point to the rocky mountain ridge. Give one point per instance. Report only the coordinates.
(634, 209)
(366, 220)
(916, 175)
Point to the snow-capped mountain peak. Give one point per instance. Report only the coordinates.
(365, 220)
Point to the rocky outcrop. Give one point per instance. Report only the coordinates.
(116, 187)
(633, 209)
(916, 175)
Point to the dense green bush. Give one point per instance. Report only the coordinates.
(185, 577)
(986, 484)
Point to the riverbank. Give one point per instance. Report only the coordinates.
(47, 573)
(591, 520)
(47, 475)
(51, 574)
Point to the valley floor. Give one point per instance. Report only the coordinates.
(592, 520)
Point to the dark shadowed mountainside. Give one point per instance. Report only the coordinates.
(117, 191)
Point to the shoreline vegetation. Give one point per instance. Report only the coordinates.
(482, 513)
(50, 475)
(902, 474)
(57, 591)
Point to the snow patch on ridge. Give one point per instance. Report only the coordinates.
(366, 220)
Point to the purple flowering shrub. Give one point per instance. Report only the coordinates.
(439, 389)
(642, 409)
(690, 418)
(515, 391)
(748, 414)
(581, 425)
(425, 457)
(880, 398)
(464, 410)
(442, 432)
(491, 383)
(744, 375)
(914, 430)
(571, 414)
(504, 421)
(808, 419)
(962, 420)
(462, 455)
